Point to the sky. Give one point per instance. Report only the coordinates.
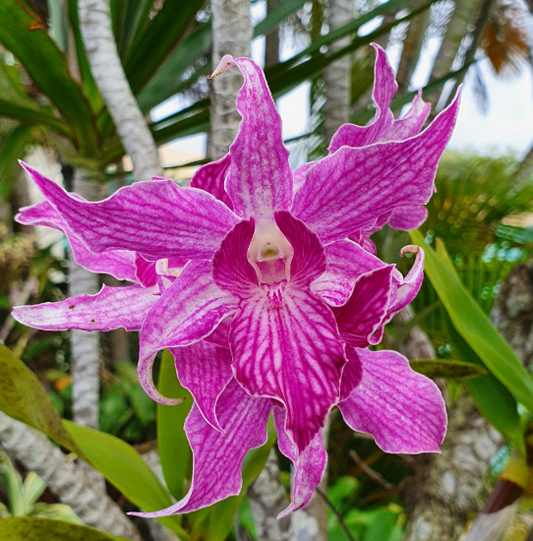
(506, 126)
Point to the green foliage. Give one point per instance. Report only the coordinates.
(39, 529)
(438, 368)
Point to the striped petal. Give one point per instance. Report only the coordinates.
(204, 369)
(411, 123)
(346, 262)
(384, 89)
(211, 177)
(407, 218)
(110, 308)
(218, 458)
(156, 218)
(350, 189)
(402, 409)
(189, 310)
(260, 179)
(309, 466)
(117, 263)
(145, 272)
(364, 313)
(283, 338)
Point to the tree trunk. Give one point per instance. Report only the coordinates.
(232, 34)
(412, 45)
(272, 38)
(337, 76)
(443, 491)
(99, 41)
(66, 479)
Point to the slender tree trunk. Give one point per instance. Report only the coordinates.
(443, 491)
(99, 41)
(337, 76)
(412, 46)
(66, 479)
(272, 40)
(232, 34)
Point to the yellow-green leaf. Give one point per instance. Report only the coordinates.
(438, 368)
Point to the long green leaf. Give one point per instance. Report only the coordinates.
(438, 368)
(474, 326)
(13, 149)
(44, 529)
(23, 397)
(122, 466)
(25, 35)
(32, 116)
(273, 19)
(174, 449)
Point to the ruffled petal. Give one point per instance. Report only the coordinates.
(156, 218)
(411, 123)
(402, 409)
(385, 87)
(366, 308)
(189, 310)
(346, 261)
(352, 373)
(204, 369)
(110, 308)
(260, 179)
(350, 189)
(117, 263)
(283, 338)
(218, 458)
(145, 272)
(211, 177)
(309, 466)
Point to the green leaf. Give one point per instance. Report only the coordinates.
(278, 15)
(41, 529)
(22, 397)
(437, 368)
(164, 32)
(13, 148)
(174, 449)
(491, 397)
(474, 326)
(25, 34)
(220, 517)
(122, 466)
(32, 116)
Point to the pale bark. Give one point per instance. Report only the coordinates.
(66, 479)
(232, 34)
(337, 76)
(99, 41)
(444, 489)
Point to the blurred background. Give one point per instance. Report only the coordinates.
(55, 114)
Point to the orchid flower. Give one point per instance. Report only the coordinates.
(276, 307)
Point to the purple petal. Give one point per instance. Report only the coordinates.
(211, 177)
(218, 458)
(117, 263)
(352, 373)
(410, 124)
(367, 307)
(309, 466)
(350, 189)
(156, 218)
(384, 89)
(407, 218)
(402, 409)
(188, 311)
(346, 261)
(300, 174)
(110, 308)
(260, 179)
(145, 272)
(204, 369)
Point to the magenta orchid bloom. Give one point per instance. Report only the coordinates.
(276, 307)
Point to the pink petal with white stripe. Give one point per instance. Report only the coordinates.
(346, 261)
(411, 123)
(407, 218)
(260, 179)
(218, 458)
(350, 189)
(211, 177)
(156, 218)
(204, 369)
(145, 272)
(384, 89)
(110, 308)
(189, 310)
(366, 309)
(299, 175)
(309, 466)
(117, 263)
(402, 409)
(284, 339)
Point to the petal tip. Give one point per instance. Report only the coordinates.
(226, 62)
